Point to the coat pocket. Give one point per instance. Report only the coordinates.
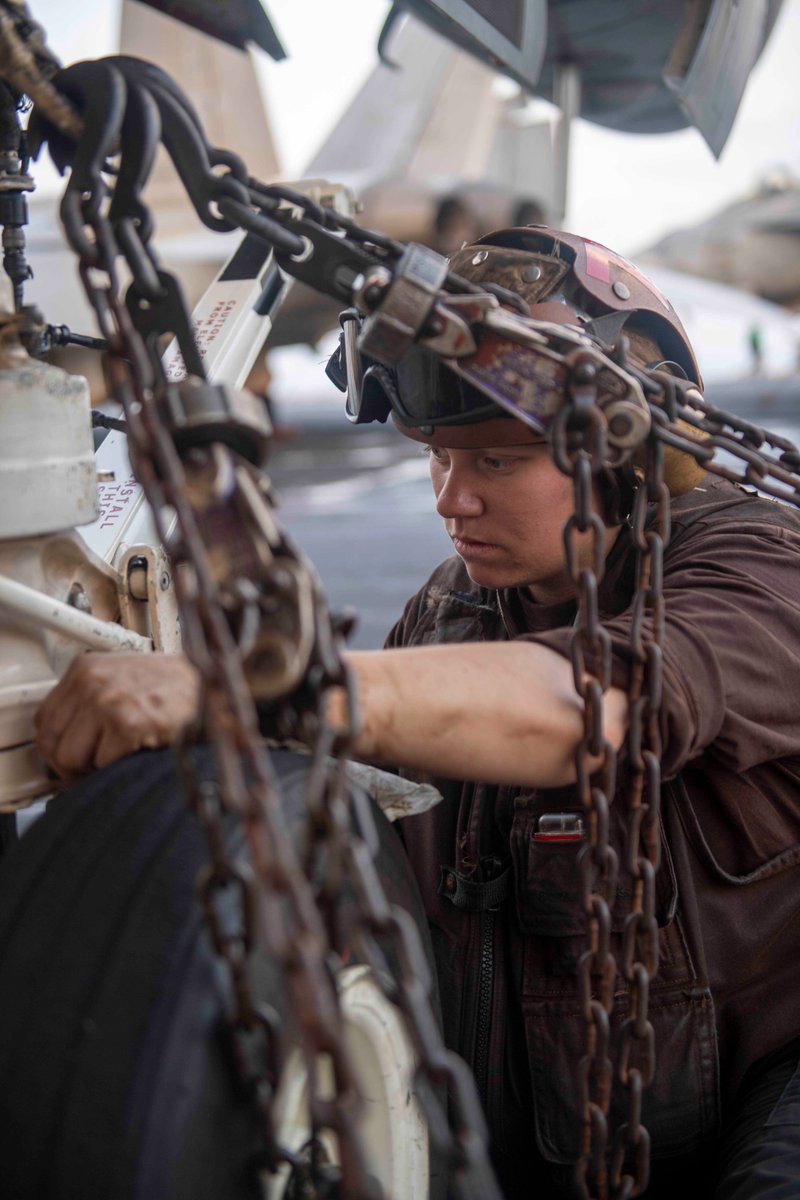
(548, 876)
(784, 858)
(681, 1107)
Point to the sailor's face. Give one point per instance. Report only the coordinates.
(504, 508)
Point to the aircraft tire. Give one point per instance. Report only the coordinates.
(115, 1079)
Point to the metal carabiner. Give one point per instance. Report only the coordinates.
(184, 138)
(165, 312)
(130, 218)
(101, 93)
(140, 136)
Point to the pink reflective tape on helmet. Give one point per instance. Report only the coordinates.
(539, 263)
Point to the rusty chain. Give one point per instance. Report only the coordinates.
(683, 420)
(281, 910)
(303, 949)
(579, 450)
(28, 64)
(650, 525)
(231, 558)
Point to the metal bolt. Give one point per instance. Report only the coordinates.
(628, 424)
(531, 274)
(621, 289)
(620, 424)
(584, 371)
(370, 294)
(479, 257)
(164, 581)
(137, 578)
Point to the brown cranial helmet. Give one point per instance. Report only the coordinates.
(603, 291)
(564, 279)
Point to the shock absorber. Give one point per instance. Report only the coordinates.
(14, 183)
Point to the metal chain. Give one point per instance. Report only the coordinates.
(774, 471)
(579, 449)
(281, 909)
(650, 528)
(343, 828)
(28, 64)
(212, 496)
(346, 855)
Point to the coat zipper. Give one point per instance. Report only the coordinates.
(484, 1017)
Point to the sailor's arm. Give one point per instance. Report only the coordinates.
(504, 712)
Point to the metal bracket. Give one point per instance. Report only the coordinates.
(406, 306)
(147, 597)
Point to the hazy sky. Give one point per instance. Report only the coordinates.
(625, 190)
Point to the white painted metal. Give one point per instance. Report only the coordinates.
(48, 476)
(122, 517)
(230, 333)
(38, 640)
(22, 778)
(149, 603)
(231, 322)
(228, 330)
(33, 608)
(48, 482)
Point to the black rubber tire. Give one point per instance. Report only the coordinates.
(115, 1082)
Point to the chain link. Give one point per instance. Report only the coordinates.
(774, 471)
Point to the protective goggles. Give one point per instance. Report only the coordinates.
(522, 367)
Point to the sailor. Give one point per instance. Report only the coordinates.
(475, 692)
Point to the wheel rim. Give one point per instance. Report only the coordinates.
(393, 1130)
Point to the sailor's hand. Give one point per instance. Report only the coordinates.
(109, 705)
